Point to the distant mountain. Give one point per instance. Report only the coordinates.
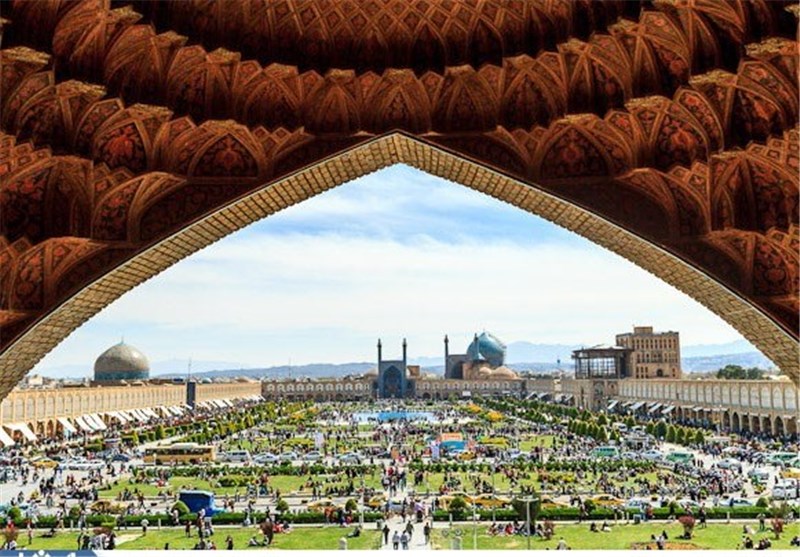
(713, 363)
(712, 350)
(309, 370)
(521, 352)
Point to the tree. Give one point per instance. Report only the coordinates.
(601, 420)
(135, 439)
(680, 436)
(670, 437)
(661, 429)
(699, 438)
(602, 435)
(650, 428)
(281, 506)
(160, 432)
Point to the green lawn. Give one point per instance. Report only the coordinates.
(578, 536)
(300, 538)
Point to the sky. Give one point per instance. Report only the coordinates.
(394, 254)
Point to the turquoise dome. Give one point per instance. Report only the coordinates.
(489, 348)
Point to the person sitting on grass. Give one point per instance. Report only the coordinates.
(605, 527)
(253, 542)
(355, 533)
(795, 541)
(593, 527)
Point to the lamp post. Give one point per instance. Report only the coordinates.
(363, 499)
(528, 503)
(494, 507)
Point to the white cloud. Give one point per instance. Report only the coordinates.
(424, 259)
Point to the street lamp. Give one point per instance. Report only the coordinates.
(528, 503)
(494, 507)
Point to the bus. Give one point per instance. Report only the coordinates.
(606, 452)
(681, 457)
(180, 453)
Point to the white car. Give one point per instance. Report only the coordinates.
(729, 464)
(312, 456)
(686, 503)
(652, 454)
(81, 463)
(266, 458)
(759, 475)
(786, 489)
(352, 458)
(288, 457)
(734, 502)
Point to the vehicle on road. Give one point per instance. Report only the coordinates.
(350, 458)
(606, 452)
(734, 502)
(729, 464)
(266, 458)
(235, 456)
(288, 457)
(790, 473)
(680, 457)
(323, 504)
(313, 456)
(786, 489)
(180, 453)
(759, 475)
(652, 454)
(43, 462)
(490, 501)
(606, 500)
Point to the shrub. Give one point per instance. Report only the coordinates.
(281, 506)
(457, 504)
(762, 502)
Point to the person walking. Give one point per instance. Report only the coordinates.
(426, 530)
(396, 540)
(386, 532)
(404, 539)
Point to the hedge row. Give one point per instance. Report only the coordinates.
(600, 513)
(504, 515)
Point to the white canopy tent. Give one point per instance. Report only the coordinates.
(6, 439)
(24, 430)
(67, 425)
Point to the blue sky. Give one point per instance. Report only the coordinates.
(393, 254)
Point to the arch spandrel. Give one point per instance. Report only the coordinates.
(666, 132)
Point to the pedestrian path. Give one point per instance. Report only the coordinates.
(417, 542)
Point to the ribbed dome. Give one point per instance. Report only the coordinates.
(487, 347)
(121, 362)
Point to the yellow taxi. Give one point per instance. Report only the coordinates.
(322, 505)
(376, 501)
(606, 500)
(445, 500)
(550, 503)
(467, 455)
(44, 462)
(490, 501)
(791, 473)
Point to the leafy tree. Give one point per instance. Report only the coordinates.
(135, 439)
(699, 438)
(160, 432)
(601, 420)
(602, 435)
(650, 428)
(680, 436)
(670, 437)
(661, 429)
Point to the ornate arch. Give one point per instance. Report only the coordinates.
(664, 131)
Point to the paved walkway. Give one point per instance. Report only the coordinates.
(417, 543)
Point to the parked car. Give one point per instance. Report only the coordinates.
(490, 500)
(266, 458)
(288, 457)
(729, 464)
(759, 475)
(606, 500)
(787, 489)
(350, 458)
(312, 456)
(235, 456)
(734, 502)
(322, 504)
(43, 462)
(652, 454)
